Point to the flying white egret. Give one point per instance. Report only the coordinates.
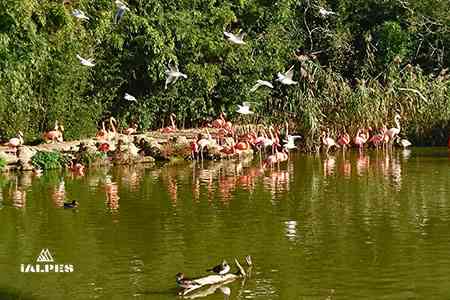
(290, 142)
(121, 9)
(129, 97)
(79, 14)
(237, 39)
(326, 13)
(286, 78)
(261, 83)
(173, 74)
(86, 62)
(244, 109)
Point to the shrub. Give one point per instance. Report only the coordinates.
(49, 160)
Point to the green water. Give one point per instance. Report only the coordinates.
(368, 226)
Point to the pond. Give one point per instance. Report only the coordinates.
(361, 226)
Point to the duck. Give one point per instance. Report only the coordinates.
(185, 282)
(220, 269)
(72, 204)
(403, 142)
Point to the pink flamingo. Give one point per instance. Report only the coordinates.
(361, 138)
(328, 141)
(131, 130)
(378, 139)
(394, 131)
(344, 140)
(54, 135)
(102, 134)
(172, 127)
(15, 142)
(76, 168)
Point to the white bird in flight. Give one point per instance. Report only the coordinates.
(173, 74)
(129, 97)
(290, 142)
(121, 9)
(261, 83)
(286, 78)
(86, 62)
(237, 39)
(244, 109)
(326, 13)
(79, 14)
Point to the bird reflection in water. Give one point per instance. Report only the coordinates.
(362, 164)
(19, 195)
(59, 194)
(291, 230)
(345, 168)
(329, 164)
(112, 194)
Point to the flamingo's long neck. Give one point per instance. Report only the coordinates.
(172, 121)
(397, 122)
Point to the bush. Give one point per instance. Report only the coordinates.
(49, 160)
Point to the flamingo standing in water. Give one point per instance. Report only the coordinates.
(360, 138)
(394, 131)
(344, 140)
(327, 141)
(378, 139)
(172, 127)
(76, 168)
(219, 122)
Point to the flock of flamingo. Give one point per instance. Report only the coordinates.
(230, 140)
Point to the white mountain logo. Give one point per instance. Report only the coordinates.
(45, 256)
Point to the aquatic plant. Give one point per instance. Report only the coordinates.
(2, 163)
(46, 160)
(91, 158)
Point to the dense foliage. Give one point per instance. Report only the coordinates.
(45, 160)
(372, 58)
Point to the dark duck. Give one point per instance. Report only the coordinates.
(184, 282)
(221, 269)
(72, 204)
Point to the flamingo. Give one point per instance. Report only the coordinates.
(102, 134)
(344, 140)
(378, 139)
(54, 135)
(172, 127)
(15, 141)
(394, 131)
(131, 130)
(219, 122)
(194, 149)
(112, 134)
(360, 139)
(328, 141)
(76, 168)
(270, 160)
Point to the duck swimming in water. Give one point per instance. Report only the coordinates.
(72, 204)
(184, 282)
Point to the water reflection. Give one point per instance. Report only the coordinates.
(112, 194)
(58, 194)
